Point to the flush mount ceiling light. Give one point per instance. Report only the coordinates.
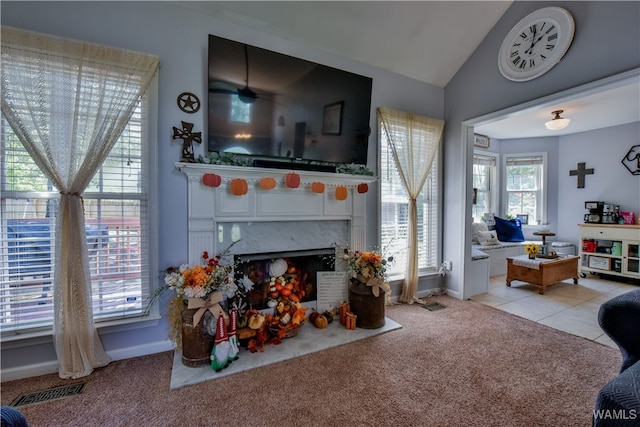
(557, 122)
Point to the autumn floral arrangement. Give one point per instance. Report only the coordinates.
(532, 249)
(370, 268)
(210, 281)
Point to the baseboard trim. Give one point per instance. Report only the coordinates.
(51, 367)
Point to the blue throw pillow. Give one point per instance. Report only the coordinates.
(509, 230)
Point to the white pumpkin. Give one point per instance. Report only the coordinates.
(278, 267)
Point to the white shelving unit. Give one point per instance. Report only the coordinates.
(610, 249)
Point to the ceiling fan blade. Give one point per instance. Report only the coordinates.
(225, 91)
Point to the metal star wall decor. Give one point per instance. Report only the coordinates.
(581, 172)
(188, 137)
(188, 102)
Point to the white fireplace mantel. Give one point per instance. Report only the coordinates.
(209, 208)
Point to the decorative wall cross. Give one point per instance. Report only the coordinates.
(188, 137)
(581, 172)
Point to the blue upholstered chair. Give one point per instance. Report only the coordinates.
(618, 402)
(11, 417)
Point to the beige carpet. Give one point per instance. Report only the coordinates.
(468, 364)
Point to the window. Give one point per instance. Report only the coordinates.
(394, 214)
(240, 112)
(525, 186)
(116, 210)
(484, 183)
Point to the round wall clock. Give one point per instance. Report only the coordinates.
(536, 43)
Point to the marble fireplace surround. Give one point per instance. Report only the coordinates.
(278, 220)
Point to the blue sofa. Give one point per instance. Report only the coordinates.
(618, 402)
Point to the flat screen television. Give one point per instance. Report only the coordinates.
(279, 110)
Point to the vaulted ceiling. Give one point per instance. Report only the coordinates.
(424, 40)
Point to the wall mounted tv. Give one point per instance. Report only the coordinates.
(283, 111)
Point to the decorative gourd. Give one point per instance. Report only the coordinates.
(341, 193)
(256, 321)
(285, 292)
(278, 267)
(328, 315)
(239, 186)
(363, 188)
(317, 187)
(292, 180)
(211, 180)
(321, 322)
(313, 316)
(267, 183)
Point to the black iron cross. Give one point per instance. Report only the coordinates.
(188, 137)
(581, 172)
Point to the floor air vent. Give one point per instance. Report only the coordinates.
(434, 306)
(49, 394)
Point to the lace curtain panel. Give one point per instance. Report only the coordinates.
(68, 102)
(414, 142)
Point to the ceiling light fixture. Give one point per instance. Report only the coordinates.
(557, 122)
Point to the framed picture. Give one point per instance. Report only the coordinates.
(524, 218)
(480, 140)
(332, 119)
(489, 218)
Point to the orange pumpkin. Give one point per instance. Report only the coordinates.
(267, 183)
(321, 322)
(317, 187)
(211, 180)
(341, 193)
(292, 180)
(363, 188)
(239, 186)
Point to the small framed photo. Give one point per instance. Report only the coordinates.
(332, 119)
(480, 140)
(524, 218)
(489, 218)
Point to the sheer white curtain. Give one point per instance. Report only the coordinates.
(414, 141)
(68, 102)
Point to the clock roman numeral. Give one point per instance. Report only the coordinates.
(523, 64)
(523, 35)
(516, 53)
(516, 60)
(550, 29)
(553, 36)
(550, 46)
(532, 63)
(533, 28)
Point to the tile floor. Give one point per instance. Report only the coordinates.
(564, 306)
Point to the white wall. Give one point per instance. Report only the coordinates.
(180, 38)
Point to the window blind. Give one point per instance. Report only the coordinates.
(394, 214)
(115, 205)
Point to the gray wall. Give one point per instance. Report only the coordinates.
(179, 38)
(606, 42)
(602, 150)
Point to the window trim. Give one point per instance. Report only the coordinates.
(494, 179)
(543, 183)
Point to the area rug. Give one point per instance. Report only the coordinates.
(308, 340)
